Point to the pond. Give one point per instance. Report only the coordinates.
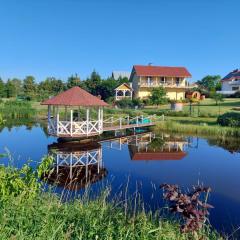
(137, 163)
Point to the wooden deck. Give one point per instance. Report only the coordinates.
(80, 129)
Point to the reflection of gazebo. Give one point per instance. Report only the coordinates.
(76, 165)
(123, 91)
(79, 123)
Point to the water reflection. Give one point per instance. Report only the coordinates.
(80, 164)
(213, 162)
(76, 165)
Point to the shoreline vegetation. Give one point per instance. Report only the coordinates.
(29, 213)
(204, 130)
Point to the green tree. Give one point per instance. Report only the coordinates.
(18, 86)
(2, 88)
(106, 88)
(10, 89)
(93, 84)
(158, 96)
(29, 87)
(73, 81)
(218, 97)
(210, 82)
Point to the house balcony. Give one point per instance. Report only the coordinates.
(235, 83)
(165, 85)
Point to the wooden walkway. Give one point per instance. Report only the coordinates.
(115, 128)
(79, 129)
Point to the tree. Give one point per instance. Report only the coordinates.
(73, 81)
(29, 87)
(10, 89)
(106, 88)
(18, 85)
(218, 97)
(158, 96)
(2, 88)
(93, 83)
(210, 82)
(51, 86)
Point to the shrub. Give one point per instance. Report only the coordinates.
(236, 94)
(128, 103)
(230, 119)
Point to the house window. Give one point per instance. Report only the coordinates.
(235, 88)
(162, 80)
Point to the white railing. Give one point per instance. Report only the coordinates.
(170, 85)
(96, 127)
(79, 159)
(127, 121)
(71, 128)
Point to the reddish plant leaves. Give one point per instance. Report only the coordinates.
(189, 206)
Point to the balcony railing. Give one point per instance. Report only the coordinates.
(169, 85)
(235, 82)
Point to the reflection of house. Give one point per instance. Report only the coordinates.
(173, 79)
(152, 148)
(231, 83)
(76, 165)
(123, 91)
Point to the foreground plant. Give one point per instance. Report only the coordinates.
(190, 207)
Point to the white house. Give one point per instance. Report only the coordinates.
(231, 83)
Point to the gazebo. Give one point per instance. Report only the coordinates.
(123, 91)
(77, 118)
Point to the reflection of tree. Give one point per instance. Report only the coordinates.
(156, 143)
(232, 145)
(11, 123)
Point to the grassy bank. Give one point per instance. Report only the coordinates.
(28, 213)
(198, 127)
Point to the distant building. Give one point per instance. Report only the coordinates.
(120, 74)
(173, 79)
(123, 91)
(231, 83)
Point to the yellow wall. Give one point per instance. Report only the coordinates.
(172, 94)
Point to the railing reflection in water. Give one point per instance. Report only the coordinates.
(76, 165)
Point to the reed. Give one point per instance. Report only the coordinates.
(194, 129)
(17, 110)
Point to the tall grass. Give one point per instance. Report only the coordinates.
(26, 213)
(194, 129)
(17, 110)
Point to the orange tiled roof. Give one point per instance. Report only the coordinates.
(161, 71)
(75, 96)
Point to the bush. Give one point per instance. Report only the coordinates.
(236, 94)
(230, 119)
(128, 103)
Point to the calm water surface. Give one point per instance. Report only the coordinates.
(144, 162)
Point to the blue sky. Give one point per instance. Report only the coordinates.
(62, 37)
